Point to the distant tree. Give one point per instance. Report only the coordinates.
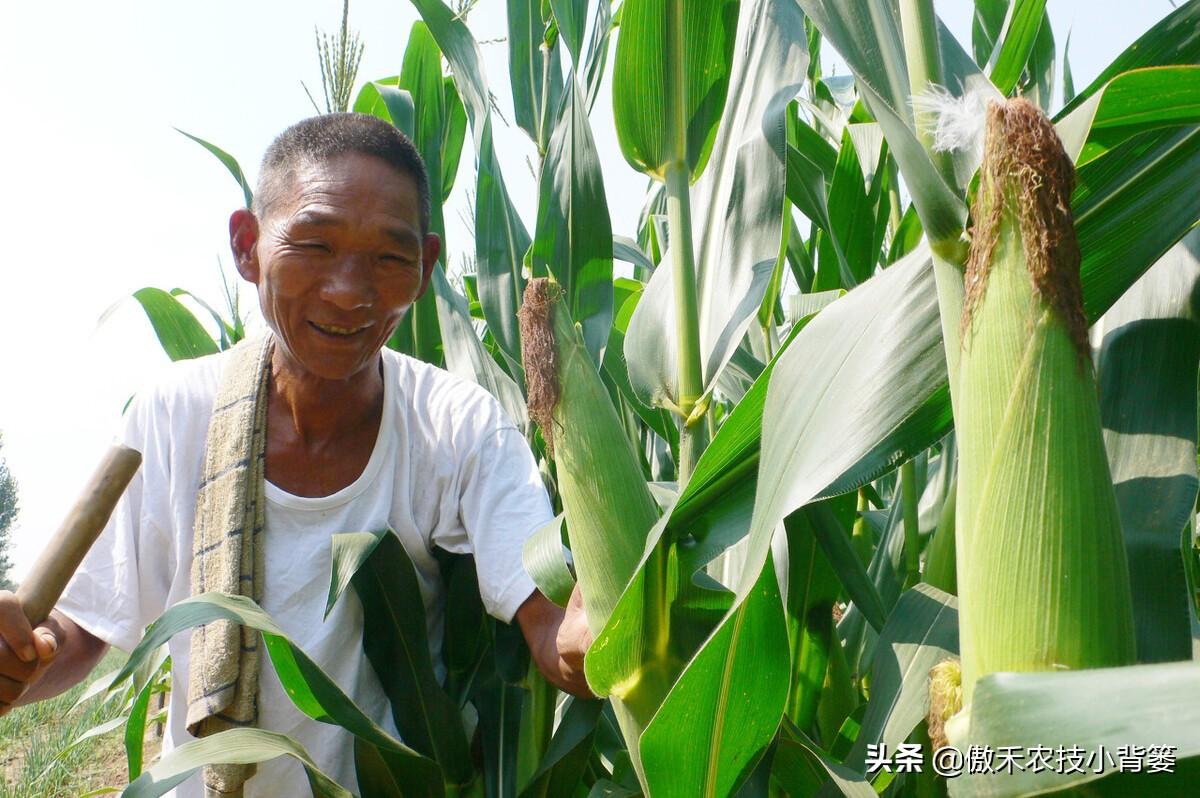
(8, 514)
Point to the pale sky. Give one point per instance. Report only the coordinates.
(104, 197)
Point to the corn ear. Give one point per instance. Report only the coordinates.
(608, 506)
(1042, 577)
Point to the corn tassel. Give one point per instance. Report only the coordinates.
(1042, 576)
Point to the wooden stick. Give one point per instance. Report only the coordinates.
(41, 588)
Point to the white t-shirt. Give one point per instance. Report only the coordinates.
(448, 470)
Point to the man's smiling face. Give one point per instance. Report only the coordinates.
(338, 258)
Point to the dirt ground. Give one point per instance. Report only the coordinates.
(105, 768)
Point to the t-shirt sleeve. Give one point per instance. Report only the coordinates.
(118, 590)
(501, 502)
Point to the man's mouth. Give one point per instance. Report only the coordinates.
(341, 332)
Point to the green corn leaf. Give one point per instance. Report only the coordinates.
(499, 733)
(311, 690)
(907, 236)
(1147, 367)
(987, 23)
(543, 559)
(616, 370)
(235, 746)
(1101, 713)
(669, 54)
(886, 573)
(468, 628)
(231, 333)
(604, 788)
(421, 77)
(1037, 83)
(465, 353)
(730, 698)
(592, 74)
(628, 250)
(834, 540)
(537, 727)
(371, 771)
(563, 768)
(574, 236)
(722, 487)
(453, 38)
(180, 334)
(1016, 43)
(389, 103)
(395, 641)
(767, 309)
(813, 146)
(737, 208)
(1131, 103)
(501, 242)
(529, 75)
(801, 767)
(852, 220)
(135, 730)
(1130, 207)
(921, 632)
(811, 591)
(806, 189)
(571, 16)
(895, 310)
(1068, 78)
(732, 459)
(101, 685)
(229, 162)
(452, 141)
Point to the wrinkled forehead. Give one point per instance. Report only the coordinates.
(345, 177)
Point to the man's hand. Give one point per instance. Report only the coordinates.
(573, 640)
(39, 663)
(558, 640)
(25, 653)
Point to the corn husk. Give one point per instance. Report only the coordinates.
(1042, 576)
(608, 506)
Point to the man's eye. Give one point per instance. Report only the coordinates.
(315, 246)
(396, 260)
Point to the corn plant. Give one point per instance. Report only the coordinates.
(850, 377)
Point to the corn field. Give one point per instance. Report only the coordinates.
(879, 440)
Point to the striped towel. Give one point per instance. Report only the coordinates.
(227, 556)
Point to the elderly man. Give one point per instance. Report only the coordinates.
(255, 457)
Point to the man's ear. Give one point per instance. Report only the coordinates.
(431, 247)
(243, 240)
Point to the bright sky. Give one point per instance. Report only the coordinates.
(105, 197)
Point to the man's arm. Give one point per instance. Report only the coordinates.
(557, 640)
(36, 664)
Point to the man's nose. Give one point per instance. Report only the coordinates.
(350, 285)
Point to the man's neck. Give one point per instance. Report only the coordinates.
(320, 411)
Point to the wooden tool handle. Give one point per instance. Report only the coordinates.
(40, 590)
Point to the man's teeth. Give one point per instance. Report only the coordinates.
(329, 328)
